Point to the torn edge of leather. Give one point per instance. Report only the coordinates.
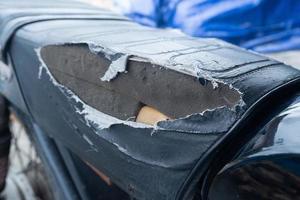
(91, 115)
(119, 58)
(118, 61)
(194, 123)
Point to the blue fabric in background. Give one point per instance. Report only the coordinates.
(261, 25)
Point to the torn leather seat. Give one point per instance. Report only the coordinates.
(85, 75)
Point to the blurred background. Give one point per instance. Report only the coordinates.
(264, 26)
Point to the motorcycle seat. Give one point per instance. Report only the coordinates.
(86, 73)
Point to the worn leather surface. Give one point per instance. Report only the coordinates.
(15, 14)
(148, 163)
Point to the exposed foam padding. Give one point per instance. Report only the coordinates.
(173, 93)
(106, 101)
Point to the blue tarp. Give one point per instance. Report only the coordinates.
(261, 25)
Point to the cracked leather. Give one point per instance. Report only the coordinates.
(147, 163)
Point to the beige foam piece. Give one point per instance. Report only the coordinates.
(151, 116)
